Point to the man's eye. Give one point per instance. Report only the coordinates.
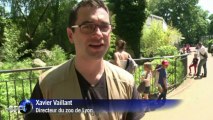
(104, 27)
(88, 26)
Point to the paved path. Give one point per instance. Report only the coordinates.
(196, 96)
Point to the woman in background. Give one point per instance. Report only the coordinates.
(121, 56)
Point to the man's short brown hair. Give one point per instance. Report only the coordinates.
(91, 3)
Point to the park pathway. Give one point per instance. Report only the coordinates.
(196, 99)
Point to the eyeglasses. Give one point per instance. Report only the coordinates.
(89, 28)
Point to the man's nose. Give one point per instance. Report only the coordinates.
(98, 32)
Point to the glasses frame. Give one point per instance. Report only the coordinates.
(96, 25)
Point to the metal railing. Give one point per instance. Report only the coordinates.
(177, 70)
(16, 85)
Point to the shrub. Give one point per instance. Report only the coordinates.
(210, 42)
(26, 63)
(57, 56)
(166, 50)
(12, 44)
(155, 37)
(111, 50)
(53, 57)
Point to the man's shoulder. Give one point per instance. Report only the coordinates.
(56, 74)
(203, 48)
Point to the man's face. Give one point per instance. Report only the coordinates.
(91, 45)
(199, 46)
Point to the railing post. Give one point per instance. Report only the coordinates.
(1, 108)
(30, 80)
(8, 102)
(175, 72)
(186, 65)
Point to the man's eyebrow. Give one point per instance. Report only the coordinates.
(86, 22)
(103, 22)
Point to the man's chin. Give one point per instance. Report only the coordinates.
(97, 56)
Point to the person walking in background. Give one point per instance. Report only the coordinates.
(202, 52)
(188, 50)
(183, 51)
(124, 59)
(163, 80)
(211, 49)
(121, 56)
(193, 64)
(146, 78)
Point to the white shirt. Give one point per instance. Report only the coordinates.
(203, 51)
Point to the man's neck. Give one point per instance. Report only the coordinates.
(91, 70)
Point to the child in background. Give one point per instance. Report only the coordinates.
(155, 75)
(146, 78)
(193, 64)
(163, 80)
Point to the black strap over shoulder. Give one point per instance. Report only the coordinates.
(127, 63)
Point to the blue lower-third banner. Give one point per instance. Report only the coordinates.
(79, 106)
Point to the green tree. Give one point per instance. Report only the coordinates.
(130, 16)
(2, 23)
(211, 24)
(185, 15)
(11, 43)
(156, 41)
(41, 20)
(111, 50)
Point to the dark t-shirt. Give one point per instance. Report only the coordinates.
(195, 61)
(89, 92)
(162, 75)
(99, 91)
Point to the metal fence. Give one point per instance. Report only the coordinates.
(177, 70)
(16, 85)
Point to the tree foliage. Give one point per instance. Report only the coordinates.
(111, 50)
(41, 20)
(130, 16)
(211, 24)
(11, 43)
(185, 15)
(155, 39)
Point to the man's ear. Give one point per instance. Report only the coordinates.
(70, 35)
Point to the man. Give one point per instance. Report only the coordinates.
(211, 49)
(202, 52)
(163, 80)
(87, 76)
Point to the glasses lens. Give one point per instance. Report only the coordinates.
(88, 28)
(104, 27)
